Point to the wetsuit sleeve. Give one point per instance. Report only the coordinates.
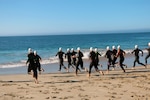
(82, 54)
(133, 51)
(124, 52)
(27, 61)
(39, 58)
(106, 54)
(99, 54)
(118, 52)
(141, 51)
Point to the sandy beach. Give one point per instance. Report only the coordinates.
(132, 85)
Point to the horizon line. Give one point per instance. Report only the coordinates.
(81, 33)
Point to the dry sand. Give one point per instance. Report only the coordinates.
(132, 85)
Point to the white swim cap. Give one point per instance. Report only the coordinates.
(118, 47)
(78, 48)
(113, 47)
(136, 46)
(72, 49)
(29, 50)
(149, 44)
(35, 52)
(107, 48)
(96, 50)
(68, 50)
(91, 49)
(60, 49)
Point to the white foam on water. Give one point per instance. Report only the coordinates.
(55, 59)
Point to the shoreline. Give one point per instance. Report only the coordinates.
(53, 67)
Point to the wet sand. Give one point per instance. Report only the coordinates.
(132, 85)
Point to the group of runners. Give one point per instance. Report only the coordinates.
(74, 59)
(34, 64)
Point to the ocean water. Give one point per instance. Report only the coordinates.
(13, 50)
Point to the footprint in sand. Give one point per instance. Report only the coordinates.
(55, 92)
(45, 92)
(106, 82)
(52, 97)
(47, 98)
(105, 86)
(110, 96)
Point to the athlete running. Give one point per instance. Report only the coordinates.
(79, 56)
(136, 52)
(93, 62)
(60, 54)
(109, 59)
(68, 56)
(120, 54)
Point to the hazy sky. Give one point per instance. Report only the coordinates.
(34, 17)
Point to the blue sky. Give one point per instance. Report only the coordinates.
(35, 17)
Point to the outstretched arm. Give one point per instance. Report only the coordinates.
(132, 51)
(124, 53)
(99, 54)
(141, 52)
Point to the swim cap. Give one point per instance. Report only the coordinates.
(136, 46)
(72, 49)
(60, 49)
(78, 48)
(149, 44)
(113, 47)
(91, 49)
(29, 50)
(118, 47)
(35, 52)
(107, 48)
(96, 50)
(68, 50)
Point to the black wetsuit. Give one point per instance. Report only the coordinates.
(148, 55)
(36, 66)
(79, 61)
(136, 53)
(108, 55)
(121, 60)
(68, 55)
(37, 59)
(31, 62)
(97, 58)
(114, 57)
(92, 57)
(73, 53)
(61, 60)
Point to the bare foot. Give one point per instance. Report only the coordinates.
(88, 75)
(107, 72)
(101, 72)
